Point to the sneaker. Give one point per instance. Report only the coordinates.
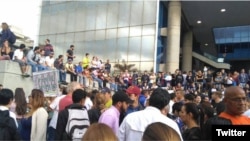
(25, 75)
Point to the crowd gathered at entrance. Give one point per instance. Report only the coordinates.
(127, 106)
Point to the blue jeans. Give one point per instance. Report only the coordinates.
(81, 80)
(62, 76)
(113, 86)
(41, 68)
(99, 82)
(51, 134)
(33, 65)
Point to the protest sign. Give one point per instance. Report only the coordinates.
(47, 81)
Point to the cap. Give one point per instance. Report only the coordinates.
(121, 96)
(105, 90)
(133, 90)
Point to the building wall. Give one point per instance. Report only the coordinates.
(115, 30)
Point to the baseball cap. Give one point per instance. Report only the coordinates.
(105, 90)
(133, 90)
(121, 96)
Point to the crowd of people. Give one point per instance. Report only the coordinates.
(127, 106)
(133, 113)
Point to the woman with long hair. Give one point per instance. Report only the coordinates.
(39, 116)
(35, 122)
(19, 106)
(97, 109)
(190, 115)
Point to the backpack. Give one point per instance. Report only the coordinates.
(12, 38)
(8, 129)
(78, 123)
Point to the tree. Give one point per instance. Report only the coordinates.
(124, 66)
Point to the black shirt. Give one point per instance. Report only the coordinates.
(70, 53)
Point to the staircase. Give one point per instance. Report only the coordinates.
(211, 60)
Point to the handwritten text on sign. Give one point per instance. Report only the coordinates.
(47, 81)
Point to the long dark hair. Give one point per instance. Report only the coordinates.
(20, 100)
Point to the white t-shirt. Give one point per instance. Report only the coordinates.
(50, 61)
(88, 103)
(19, 54)
(55, 107)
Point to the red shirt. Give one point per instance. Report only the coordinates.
(64, 102)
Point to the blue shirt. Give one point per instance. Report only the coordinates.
(78, 69)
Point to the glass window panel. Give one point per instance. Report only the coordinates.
(148, 66)
(110, 50)
(60, 7)
(89, 35)
(148, 30)
(43, 23)
(100, 48)
(134, 49)
(244, 34)
(79, 50)
(136, 13)
(100, 34)
(90, 17)
(135, 31)
(147, 51)
(124, 9)
(71, 6)
(69, 37)
(71, 21)
(62, 19)
(112, 15)
(236, 40)
(52, 38)
(60, 38)
(123, 32)
(229, 40)
(122, 48)
(79, 36)
(111, 33)
(244, 39)
(101, 17)
(149, 12)
(60, 49)
(80, 19)
(237, 34)
(89, 47)
(42, 39)
(51, 29)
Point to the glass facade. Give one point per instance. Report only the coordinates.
(114, 30)
(233, 43)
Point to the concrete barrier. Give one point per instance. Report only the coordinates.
(11, 77)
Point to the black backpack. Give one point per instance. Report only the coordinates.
(8, 129)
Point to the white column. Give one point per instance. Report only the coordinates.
(187, 51)
(173, 36)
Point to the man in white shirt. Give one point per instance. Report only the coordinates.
(52, 125)
(19, 58)
(49, 60)
(134, 124)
